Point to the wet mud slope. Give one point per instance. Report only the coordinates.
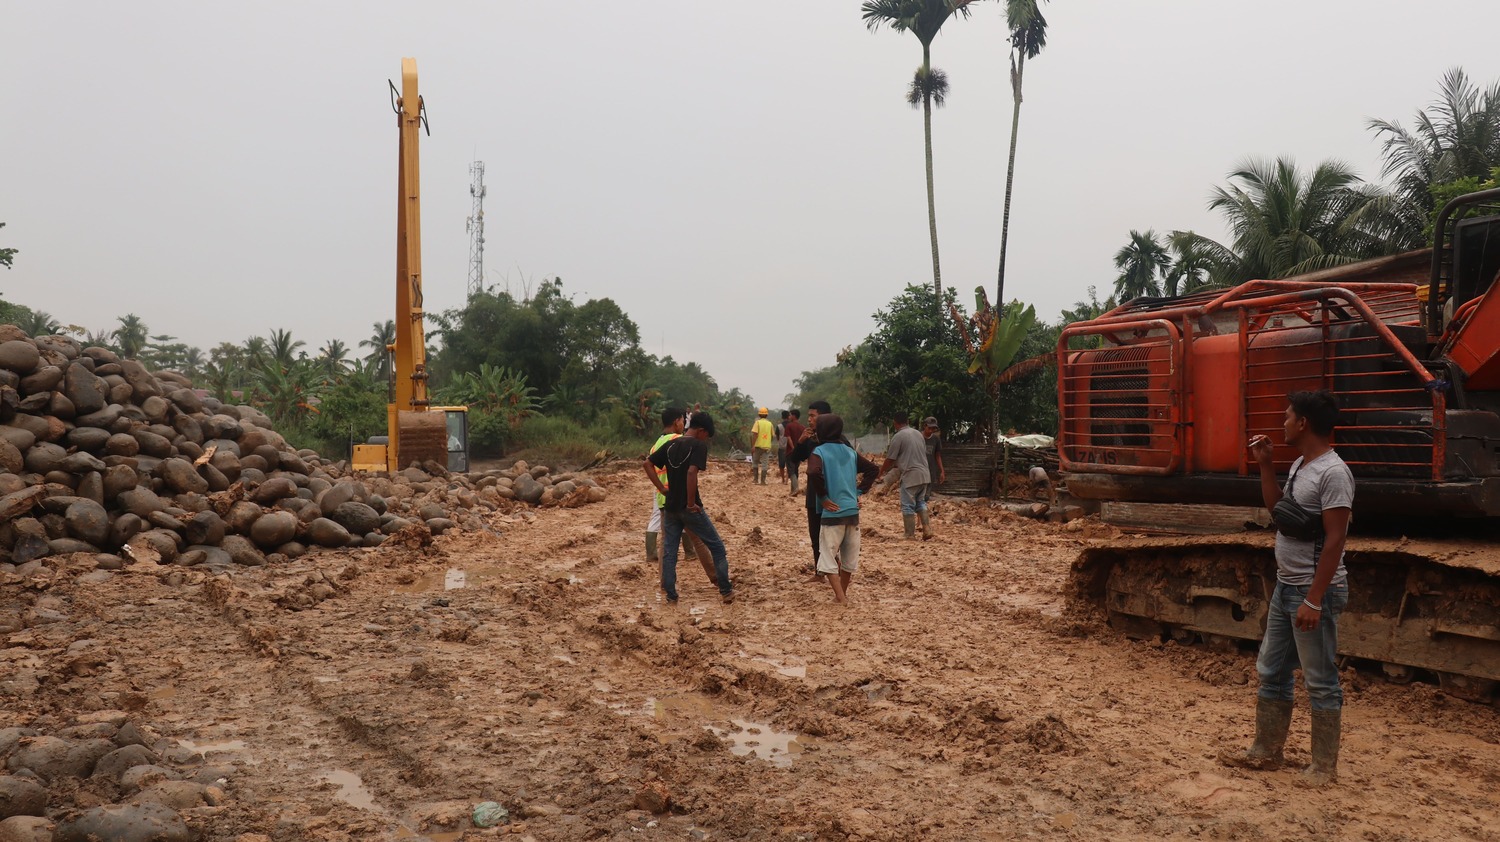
(381, 693)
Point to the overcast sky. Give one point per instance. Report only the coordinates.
(744, 180)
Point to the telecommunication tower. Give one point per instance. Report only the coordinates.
(476, 228)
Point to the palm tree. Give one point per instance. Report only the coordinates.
(1286, 222)
(1458, 136)
(282, 348)
(922, 18)
(379, 360)
(334, 357)
(257, 353)
(98, 339)
(1191, 264)
(1028, 35)
(132, 336)
(38, 323)
(1140, 262)
(193, 362)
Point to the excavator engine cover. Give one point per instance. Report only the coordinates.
(423, 436)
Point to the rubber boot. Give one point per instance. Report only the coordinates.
(1326, 732)
(926, 524)
(910, 522)
(651, 551)
(1273, 717)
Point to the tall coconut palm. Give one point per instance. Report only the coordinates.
(283, 348)
(333, 357)
(379, 360)
(1028, 36)
(256, 354)
(131, 336)
(193, 362)
(929, 87)
(1140, 262)
(1285, 221)
(1191, 264)
(1457, 136)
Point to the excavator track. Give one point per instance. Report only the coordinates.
(1416, 608)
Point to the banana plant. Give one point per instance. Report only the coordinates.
(999, 338)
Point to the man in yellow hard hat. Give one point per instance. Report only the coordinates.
(762, 432)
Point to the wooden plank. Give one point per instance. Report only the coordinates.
(1185, 518)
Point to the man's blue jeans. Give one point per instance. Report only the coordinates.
(672, 524)
(1285, 647)
(914, 498)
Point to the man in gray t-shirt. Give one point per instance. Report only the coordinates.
(907, 452)
(1317, 485)
(1311, 588)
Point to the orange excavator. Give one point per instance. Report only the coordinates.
(1159, 396)
(418, 431)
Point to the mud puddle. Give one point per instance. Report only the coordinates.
(352, 791)
(234, 747)
(760, 740)
(745, 737)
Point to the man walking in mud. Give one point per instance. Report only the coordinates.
(836, 476)
(762, 435)
(684, 458)
(672, 425)
(793, 431)
(1312, 514)
(907, 453)
(796, 457)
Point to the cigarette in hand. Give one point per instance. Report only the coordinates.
(1257, 440)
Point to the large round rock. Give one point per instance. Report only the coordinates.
(241, 551)
(273, 529)
(358, 518)
(180, 476)
(274, 489)
(88, 521)
(19, 356)
(21, 797)
(125, 823)
(87, 392)
(327, 533)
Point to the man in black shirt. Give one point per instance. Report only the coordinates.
(684, 458)
(796, 456)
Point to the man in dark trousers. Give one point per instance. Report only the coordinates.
(794, 433)
(684, 458)
(795, 457)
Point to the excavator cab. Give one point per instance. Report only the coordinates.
(456, 419)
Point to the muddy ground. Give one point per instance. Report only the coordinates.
(381, 693)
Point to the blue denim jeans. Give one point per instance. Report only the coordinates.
(1284, 648)
(672, 524)
(914, 498)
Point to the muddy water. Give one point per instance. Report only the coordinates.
(745, 738)
(352, 791)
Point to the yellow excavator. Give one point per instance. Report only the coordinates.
(418, 431)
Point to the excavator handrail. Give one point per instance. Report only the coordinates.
(1178, 352)
(1436, 298)
(1262, 287)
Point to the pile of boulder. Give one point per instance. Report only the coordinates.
(100, 455)
(123, 781)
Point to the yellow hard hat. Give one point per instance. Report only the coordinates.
(764, 411)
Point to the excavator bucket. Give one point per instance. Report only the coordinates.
(422, 436)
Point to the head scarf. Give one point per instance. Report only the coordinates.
(830, 428)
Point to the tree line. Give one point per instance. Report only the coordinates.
(1284, 220)
(540, 368)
